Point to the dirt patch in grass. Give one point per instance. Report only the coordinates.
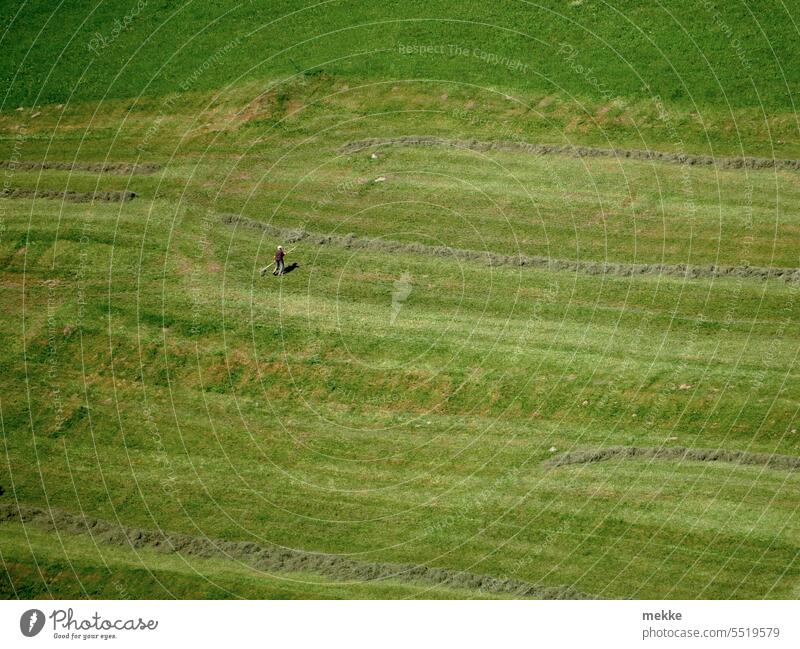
(69, 196)
(350, 241)
(677, 453)
(278, 559)
(568, 150)
(122, 168)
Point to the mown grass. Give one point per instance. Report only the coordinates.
(177, 388)
(293, 175)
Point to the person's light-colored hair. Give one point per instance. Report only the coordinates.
(280, 247)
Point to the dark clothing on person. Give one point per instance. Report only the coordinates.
(279, 263)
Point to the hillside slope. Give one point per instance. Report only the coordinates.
(522, 340)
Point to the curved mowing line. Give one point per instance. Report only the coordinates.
(679, 453)
(571, 151)
(280, 559)
(99, 167)
(69, 196)
(351, 241)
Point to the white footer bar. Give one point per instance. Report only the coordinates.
(373, 624)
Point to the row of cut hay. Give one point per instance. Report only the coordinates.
(351, 241)
(676, 453)
(572, 151)
(278, 559)
(123, 168)
(68, 195)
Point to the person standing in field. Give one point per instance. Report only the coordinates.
(279, 266)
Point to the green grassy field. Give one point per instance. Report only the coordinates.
(391, 404)
(727, 54)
